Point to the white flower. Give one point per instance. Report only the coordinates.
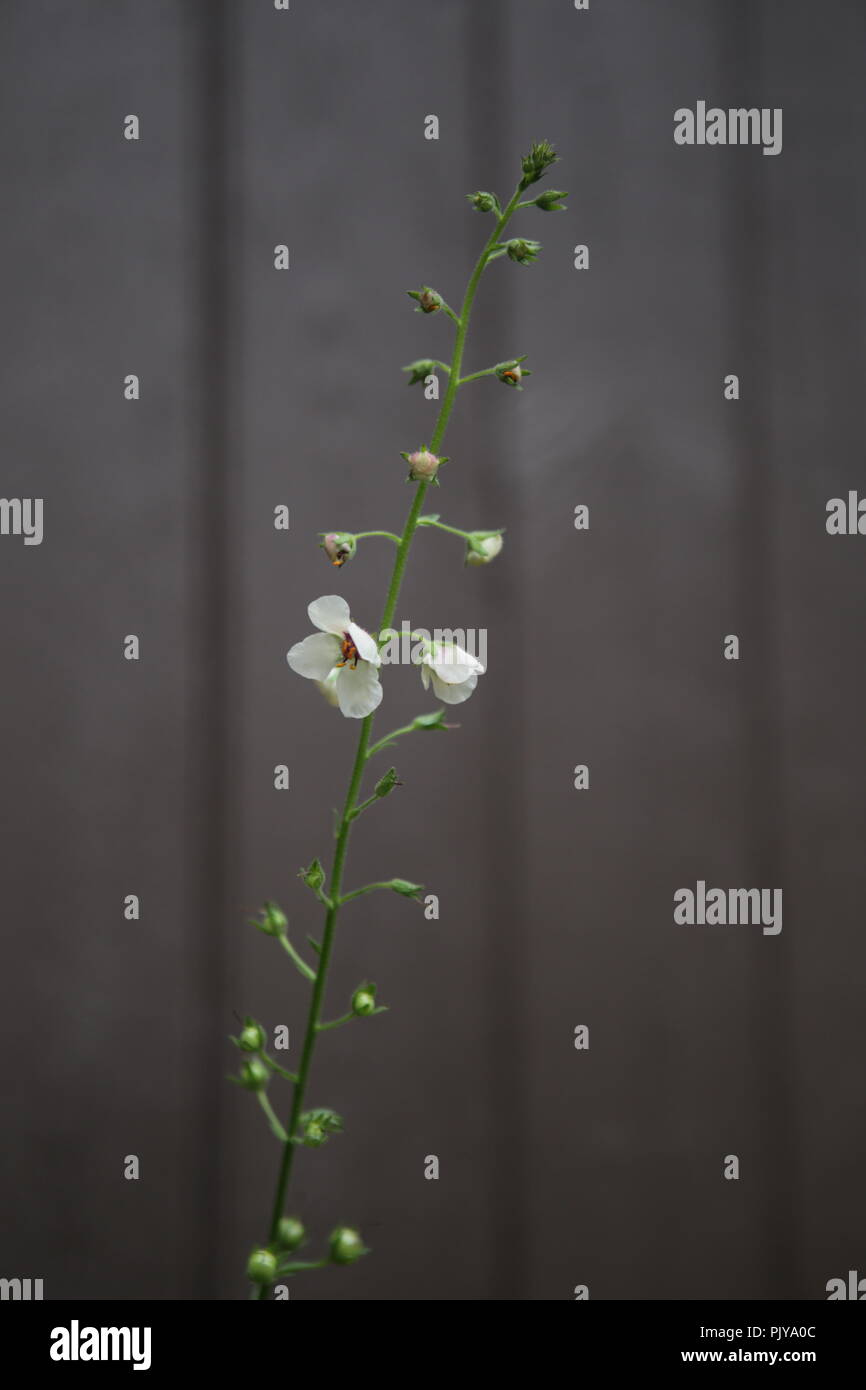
(453, 671)
(341, 646)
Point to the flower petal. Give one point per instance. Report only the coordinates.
(366, 645)
(425, 676)
(315, 657)
(328, 687)
(330, 614)
(451, 663)
(359, 691)
(451, 694)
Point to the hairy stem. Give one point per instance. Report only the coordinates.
(313, 1026)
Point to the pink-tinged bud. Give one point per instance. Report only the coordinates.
(428, 300)
(423, 466)
(339, 546)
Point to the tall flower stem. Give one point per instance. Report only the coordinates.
(314, 1025)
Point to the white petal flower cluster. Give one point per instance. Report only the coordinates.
(344, 661)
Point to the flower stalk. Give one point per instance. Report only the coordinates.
(344, 659)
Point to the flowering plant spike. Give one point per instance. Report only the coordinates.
(345, 661)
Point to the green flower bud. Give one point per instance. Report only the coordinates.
(364, 1000)
(317, 1125)
(550, 200)
(436, 720)
(254, 1075)
(252, 1037)
(314, 876)
(420, 370)
(273, 921)
(387, 783)
(339, 546)
(428, 300)
(482, 547)
(537, 162)
(406, 889)
(346, 1246)
(522, 251)
(290, 1233)
(484, 202)
(262, 1266)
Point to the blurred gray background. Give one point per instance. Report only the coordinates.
(558, 1167)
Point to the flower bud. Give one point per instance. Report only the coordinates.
(273, 921)
(346, 1246)
(436, 720)
(290, 1233)
(314, 1134)
(339, 546)
(262, 1266)
(420, 370)
(423, 466)
(364, 1000)
(483, 548)
(537, 162)
(522, 251)
(428, 300)
(404, 888)
(511, 373)
(252, 1037)
(314, 876)
(254, 1075)
(316, 1125)
(484, 202)
(550, 200)
(387, 783)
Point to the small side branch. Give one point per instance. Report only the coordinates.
(306, 970)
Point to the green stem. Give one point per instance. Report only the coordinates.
(359, 892)
(389, 535)
(403, 548)
(440, 526)
(475, 376)
(297, 1265)
(383, 742)
(281, 1071)
(276, 1127)
(463, 324)
(335, 1023)
(305, 969)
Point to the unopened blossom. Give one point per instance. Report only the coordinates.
(551, 200)
(511, 374)
(342, 646)
(452, 672)
(423, 466)
(428, 300)
(339, 546)
(482, 549)
(522, 250)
